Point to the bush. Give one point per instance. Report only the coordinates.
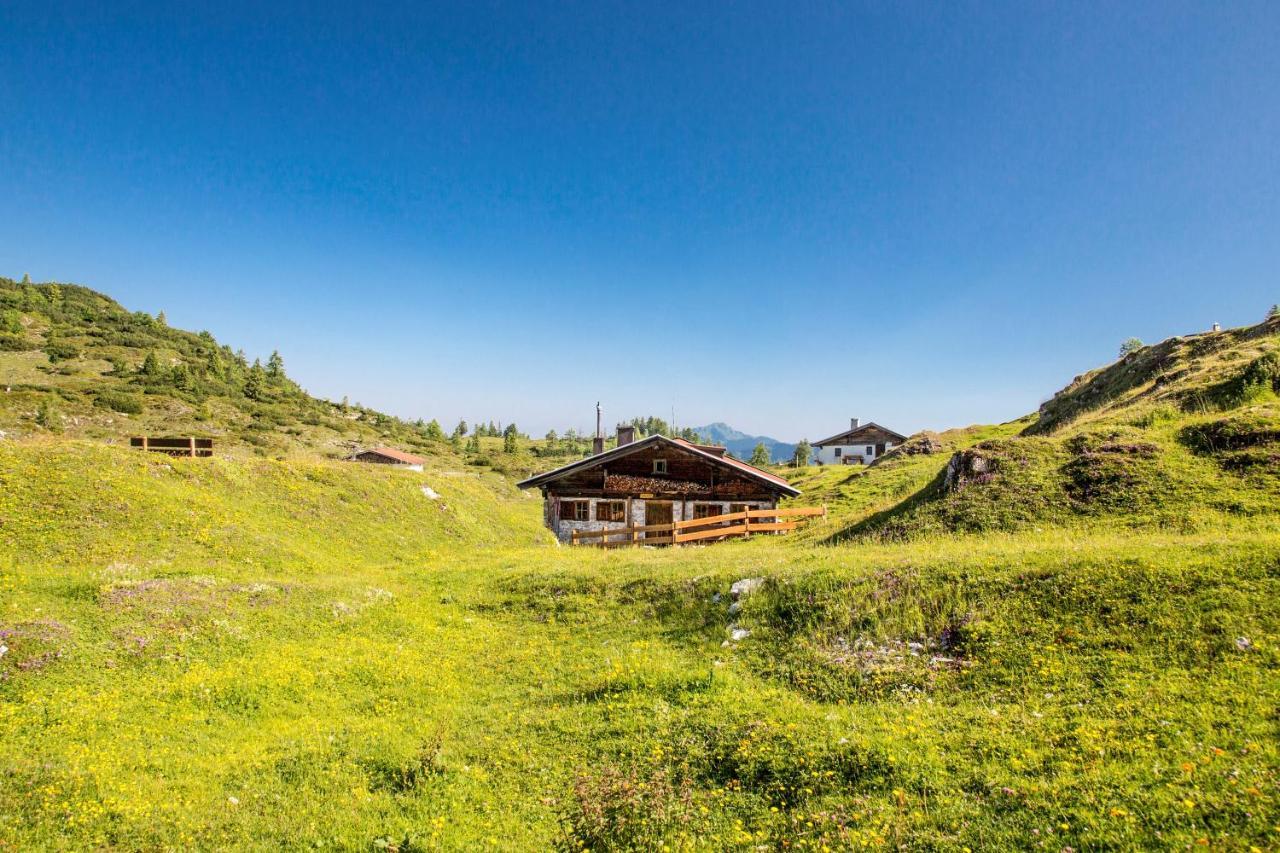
(61, 351)
(15, 343)
(116, 401)
(614, 809)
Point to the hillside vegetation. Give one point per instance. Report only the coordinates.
(74, 362)
(1182, 435)
(1057, 651)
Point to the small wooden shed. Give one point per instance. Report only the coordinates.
(389, 456)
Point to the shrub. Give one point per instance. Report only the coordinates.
(1131, 346)
(61, 351)
(15, 343)
(613, 809)
(116, 401)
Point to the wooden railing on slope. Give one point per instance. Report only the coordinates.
(719, 527)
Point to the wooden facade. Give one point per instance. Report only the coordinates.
(657, 480)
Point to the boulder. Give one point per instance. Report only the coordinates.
(745, 587)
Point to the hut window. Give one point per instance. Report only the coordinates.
(611, 511)
(659, 466)
(837, 453)
(706, 510)
(739, 507)
(870, 450)
(575, 511)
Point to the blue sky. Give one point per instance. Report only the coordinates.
(775, 215)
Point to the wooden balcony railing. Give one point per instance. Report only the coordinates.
(710, 528)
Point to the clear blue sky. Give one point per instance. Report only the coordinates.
(778, 216)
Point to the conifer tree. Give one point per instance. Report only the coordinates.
(434, 432)
(509, 436)
(804, 450)
(151, 365)
(760, 455)
(255, 384)
(275, 365)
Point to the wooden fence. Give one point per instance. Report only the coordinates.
(184, 446)
(689, 530)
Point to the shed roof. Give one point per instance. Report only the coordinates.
(392, 453)
(706, 452)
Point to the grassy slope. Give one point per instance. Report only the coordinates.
(80, 356)
(221, 652)
(1182, 435)
(256, 652)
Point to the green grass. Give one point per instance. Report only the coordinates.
(255, 653)
(1073, 642)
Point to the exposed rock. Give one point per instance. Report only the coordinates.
(922, 443)
(1244, 644)
(738, 634)
(735, 608)
(745, 587)
(431, 493)
(965, 467)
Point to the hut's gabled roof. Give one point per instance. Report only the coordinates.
(391, 453)
(705, 452)
(844, 437)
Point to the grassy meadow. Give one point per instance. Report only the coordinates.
(258, 653)
(1058, 633)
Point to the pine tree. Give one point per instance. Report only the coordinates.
(434, 432)
(181, 377)
(804, 450)
(255, 384)
(161, 319)
(275, 365)
(1274, 313)
(552, 438)
(460, 431)
(150, 365)
(473, 443)
(760, 456)
(509, 439)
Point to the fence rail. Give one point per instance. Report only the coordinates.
(717, 527)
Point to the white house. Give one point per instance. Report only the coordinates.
(860, 444)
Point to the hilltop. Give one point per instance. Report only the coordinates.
(76, 363)
(1183, 434)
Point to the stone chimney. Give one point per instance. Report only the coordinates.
(597, 444)
(626, 435)
(853, 423)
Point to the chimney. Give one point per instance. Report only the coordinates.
(626, 435)
(597, 446)
(1217, 327)
(853, 423)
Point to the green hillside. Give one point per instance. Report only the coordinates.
(1077, 646)
(74, 362)
(1181, 435)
